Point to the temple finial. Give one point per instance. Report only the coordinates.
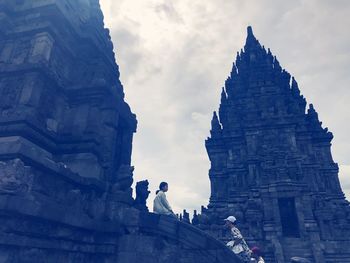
(251, 41)
(250, 31)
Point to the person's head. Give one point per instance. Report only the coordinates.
(256, 253)
(230, 221)
(163, 187)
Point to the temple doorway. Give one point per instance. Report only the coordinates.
(289, 218)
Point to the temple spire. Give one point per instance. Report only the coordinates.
(295, 87)
(251, 41)
(250, 31)
(215, 125)
(312, 114)
(264, 139)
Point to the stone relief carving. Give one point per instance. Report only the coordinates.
(15, 178)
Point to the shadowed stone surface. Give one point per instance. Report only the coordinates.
(65, 147)
(272, 167)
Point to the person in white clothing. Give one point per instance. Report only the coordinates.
(160, 204)
(237, 244)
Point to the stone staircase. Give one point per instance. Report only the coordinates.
(296, 247)
(269, 257)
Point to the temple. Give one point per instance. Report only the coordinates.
(272, 167)
(65, 148)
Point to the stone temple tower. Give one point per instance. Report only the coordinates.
(65, 148)
(272, 167)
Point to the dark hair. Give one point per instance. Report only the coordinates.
(161, 186)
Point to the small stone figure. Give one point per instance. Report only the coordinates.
(195, 219)
(186, 217)
(142, 194)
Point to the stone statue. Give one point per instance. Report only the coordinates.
(186, 217)
(195, 219)
(142, 194)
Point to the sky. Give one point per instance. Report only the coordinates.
(174, 56)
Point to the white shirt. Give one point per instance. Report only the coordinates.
(161, 205)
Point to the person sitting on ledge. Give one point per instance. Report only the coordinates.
(256, 255)
(238, 244)
(160, 204)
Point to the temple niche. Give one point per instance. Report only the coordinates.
(272, 167)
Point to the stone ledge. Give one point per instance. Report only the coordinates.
(188, 236)
(57, 244)
(15, 146)
(54, 212)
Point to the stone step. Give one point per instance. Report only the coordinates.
(295, 241)
(311, 259)
(298, 250)
(269, 257)
(298, 253)
(338, 258)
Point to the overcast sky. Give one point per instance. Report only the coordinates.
(174, 56)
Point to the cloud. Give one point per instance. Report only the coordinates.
(174, 57)
(168, 10)
(131, 54)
